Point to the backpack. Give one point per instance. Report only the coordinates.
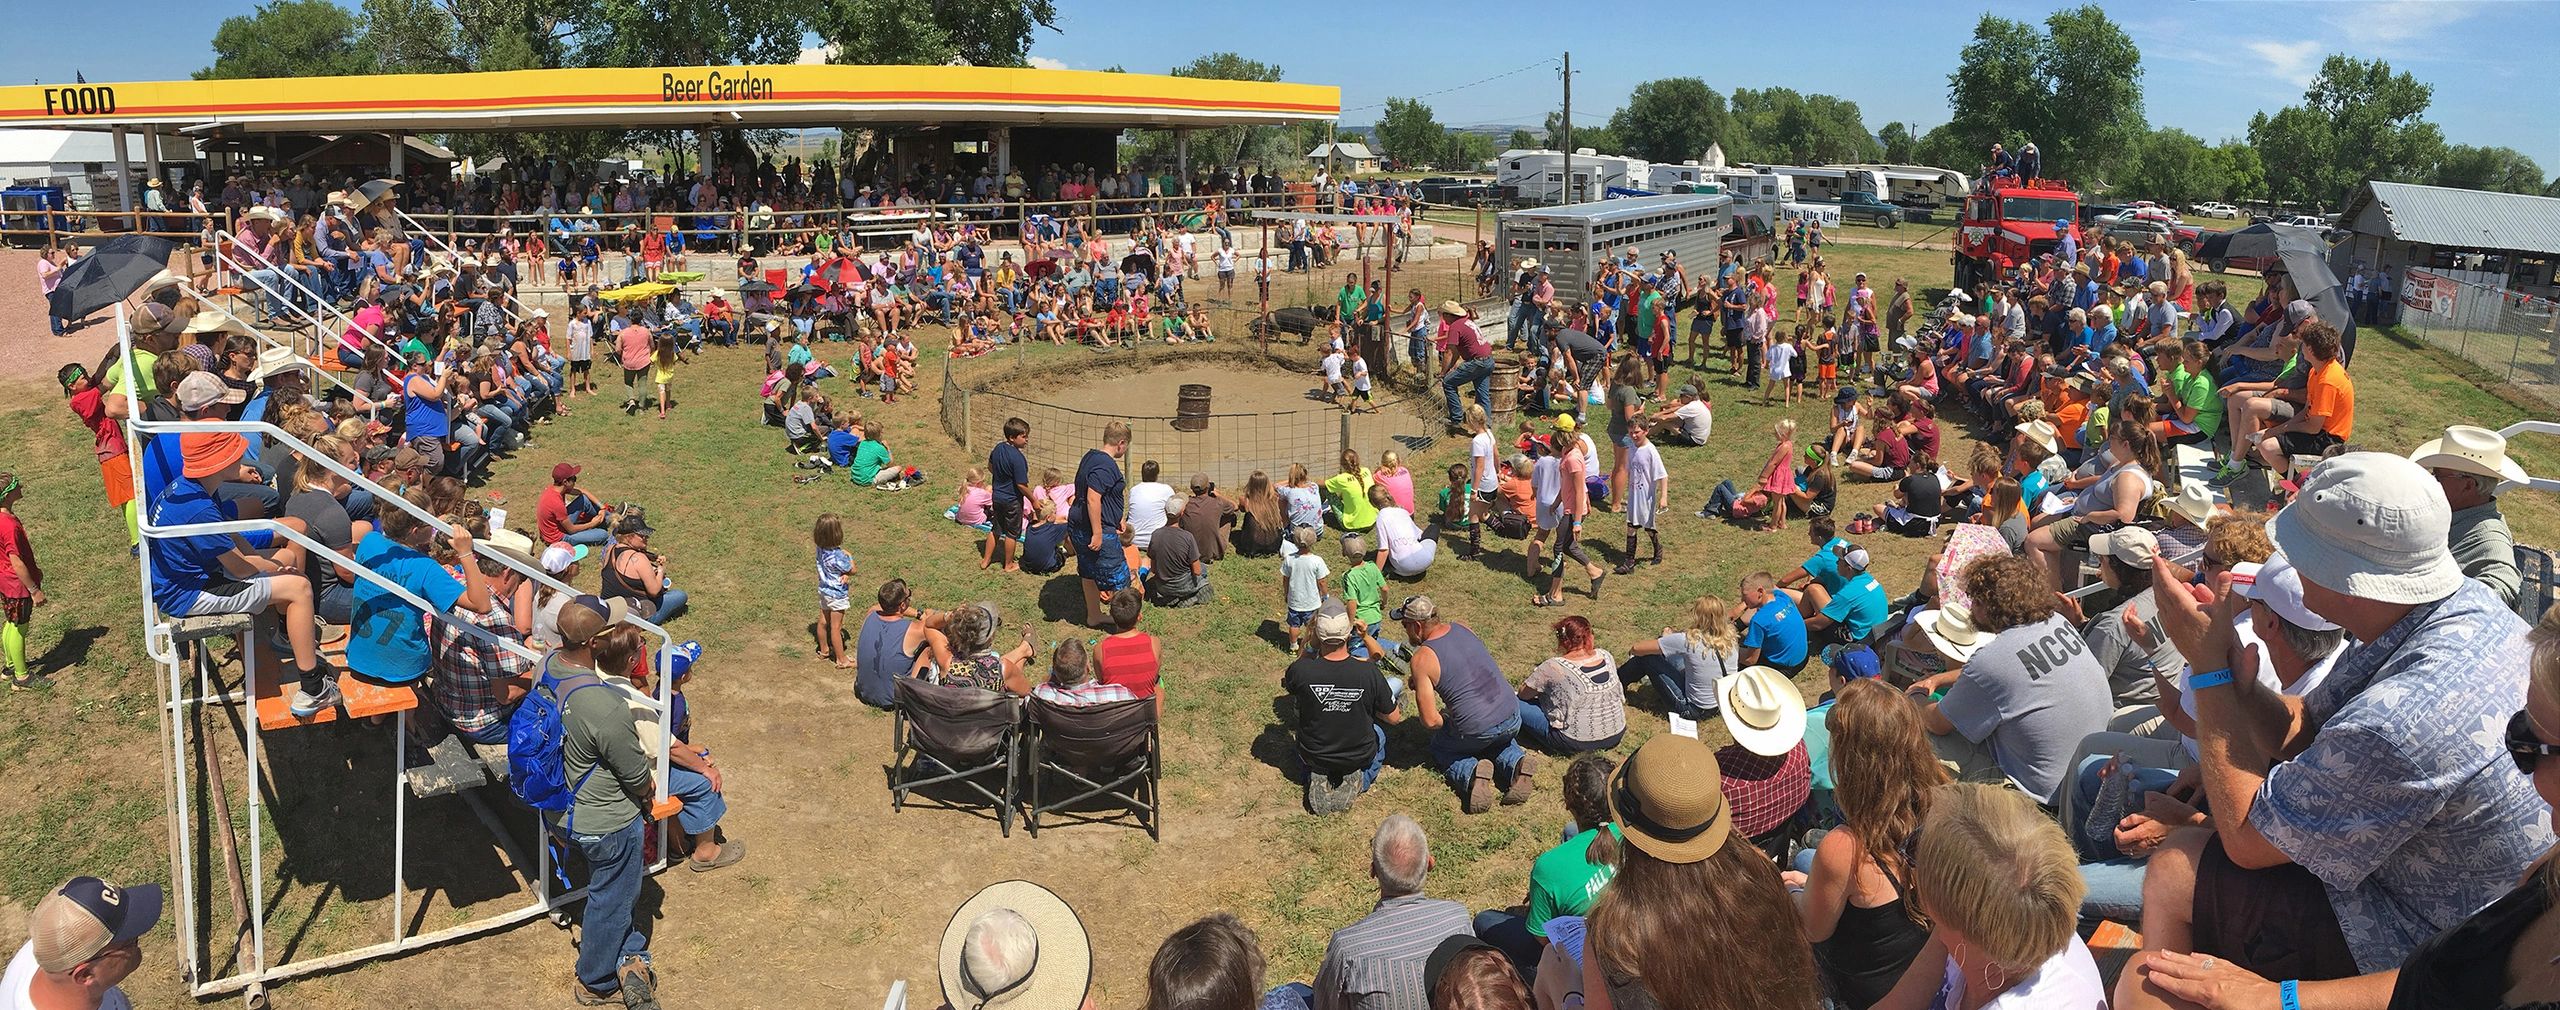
(1044, 549)
(537, 768)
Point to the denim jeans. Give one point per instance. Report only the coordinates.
(671, 605)
(703, 805)
(1534, 725)
(474, 451)
(335, 603)
(1510, 934)
(1669, 682)
(1456, 756)
(2115, 882)
(595, 537)
(606, 934)
(1289, 996)
(1478, 371)
(1377, 761)
(1524, 316)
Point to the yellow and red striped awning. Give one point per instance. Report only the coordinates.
(671, 97)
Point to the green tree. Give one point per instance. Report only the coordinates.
(2501, 169)
(1462, 150)
(2173, 167)
(2244, 176)
(1781, 126)
(1522, 140)
(1600, 139)
(1901, 146)
(288, 38)
(2295, 147)
(2073, 88)
(1239, 145)
(2376, 125)
(1670, 120)
(980, 33)
(1409, 134)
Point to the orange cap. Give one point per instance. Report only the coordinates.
(211, 452)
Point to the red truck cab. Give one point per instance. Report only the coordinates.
(2007, 224)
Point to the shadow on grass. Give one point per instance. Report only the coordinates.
(71, 650)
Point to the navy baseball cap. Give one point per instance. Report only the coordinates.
(86, 916)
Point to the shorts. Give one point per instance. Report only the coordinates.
(2276, 922)
(2281, 410)
(16, 609)
(1006, 516)
(835, 604)
(1662, 361)
(2071, 535)
(117, 473)
(1300, 618)
(1105, 568)
(581, 367)
(1885, 475)
(431, 450)
(225, 597)
(1622, 441)
(1829, 370)
(2307, 443)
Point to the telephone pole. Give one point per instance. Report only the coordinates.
(1568, 127)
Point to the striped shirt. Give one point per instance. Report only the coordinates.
(1091, 692)
(1376, 963)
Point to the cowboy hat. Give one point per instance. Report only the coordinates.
(1450, 307)
(216, 321)
(2042, 433)
(275, 359)
(1062, 963)
(265, 213)
(1667, 800)
(1950, 629)
(1763, 710)
(2194, 500)
(2470, 449)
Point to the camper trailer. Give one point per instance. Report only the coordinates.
(1573, 240)
(1537, 176)
(1671, 178)
(1764, 194)
(1919, 187)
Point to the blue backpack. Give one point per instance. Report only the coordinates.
(537, 770)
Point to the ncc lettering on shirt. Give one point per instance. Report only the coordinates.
(2050, 652)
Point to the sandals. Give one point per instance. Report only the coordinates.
(731, 851)
(1545, 601)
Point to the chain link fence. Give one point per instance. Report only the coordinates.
(2510, 334)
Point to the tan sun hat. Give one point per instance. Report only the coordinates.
(2465, 448)
(1451, 307)
(992, 974)
(1668, 800)
(2042, 433)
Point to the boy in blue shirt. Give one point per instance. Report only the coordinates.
(225, 573)
(1775, 636)
(844, 439)
(387, 637)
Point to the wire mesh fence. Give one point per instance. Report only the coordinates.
(2508, 333)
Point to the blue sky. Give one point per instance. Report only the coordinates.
(2208, 65)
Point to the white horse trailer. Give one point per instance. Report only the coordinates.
(1573, 240)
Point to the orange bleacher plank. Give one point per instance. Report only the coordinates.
(666, 808)
(364, 699)
(2112, 935)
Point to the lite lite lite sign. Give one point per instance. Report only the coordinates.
(715, 87)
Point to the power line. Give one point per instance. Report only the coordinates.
(1428, 94)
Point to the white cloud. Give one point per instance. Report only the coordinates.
(1045, 63)
(818, 54)
(2293, 62)
(2382, 28)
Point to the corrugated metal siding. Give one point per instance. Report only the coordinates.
(2464, 218)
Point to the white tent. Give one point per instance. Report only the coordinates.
(83, 161)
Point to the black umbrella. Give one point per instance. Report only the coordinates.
(113, 270)
(2300, 253)
(371, 193)
(756, 287)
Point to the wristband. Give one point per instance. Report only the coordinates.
(2209, 678)
(2290, 992)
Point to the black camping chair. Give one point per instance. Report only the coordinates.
(967, 734)
(2536, 595)
(1105, 750)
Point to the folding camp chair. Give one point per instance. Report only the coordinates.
(949, 734)
(1110, 749)
(2537, 593)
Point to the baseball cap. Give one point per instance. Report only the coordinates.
(1690, 389)
(629, 525)
(563, 471)
(1415, 608)
(2131, 545)
(1852, 662)
(86, 916)
(1857, 559)
(1565, 422)
(2371, 524)
(378, 453)
(558, 557)
(2277, 585)
(585, 617)
(204, 389)
(210, 452)
(1333, 627)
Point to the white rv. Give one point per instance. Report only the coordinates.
(1537, 175)
(1764, 193)
(1830, 182)
(1662, 178)
(1918, 186)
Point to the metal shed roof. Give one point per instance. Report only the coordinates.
(2463, 218)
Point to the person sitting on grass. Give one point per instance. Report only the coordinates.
(1177, 576)
(1564, 880)
(1302, 576)
(873, 465)
(1467, 705)
(1575, 700)
(1382, 960)
(1343, 707)
(1404, 550)
(1853, 888)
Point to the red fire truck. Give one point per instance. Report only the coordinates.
(2005, 224)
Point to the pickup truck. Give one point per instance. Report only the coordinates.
(1861, 206)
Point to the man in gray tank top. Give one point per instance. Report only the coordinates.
(1468, 706)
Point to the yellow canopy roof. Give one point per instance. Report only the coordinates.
(635, 292)
(672, 97)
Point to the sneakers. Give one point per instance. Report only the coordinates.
(1480, 792)
(1518, 792)
(2228, 473)
(1331, 794)
(306, 704)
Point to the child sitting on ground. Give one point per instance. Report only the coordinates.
(1053, 496)
(975, 499)
(1364, 587)
(1452, 511)
(846, 437)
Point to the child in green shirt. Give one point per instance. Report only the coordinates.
(1363, 590)
(1453, 512)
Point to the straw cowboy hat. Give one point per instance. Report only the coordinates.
(1061, 968)
(1452, 308)
(1763, 710)
(1667, 800)
(2470, 449)
(276, 359)
(213, 321)
(2194, 500)
(1952, 632)
(2042, 433)
(271, 215)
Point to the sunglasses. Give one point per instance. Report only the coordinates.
(2524, 746)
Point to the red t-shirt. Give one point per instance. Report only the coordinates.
(551, 517)
(1129, 662)
(90, 405)
(13, 543)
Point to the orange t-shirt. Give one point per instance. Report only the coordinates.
(2330, 394)
(2069, 418)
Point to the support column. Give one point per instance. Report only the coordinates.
(399, 155)
(124, 168)
(1004, 152)
(1182, 159)
(707, 152)
(151, 158)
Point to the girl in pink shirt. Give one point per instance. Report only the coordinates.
(1398, 481)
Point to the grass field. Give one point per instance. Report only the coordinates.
(840, 897)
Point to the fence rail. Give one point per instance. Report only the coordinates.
(2510, 334)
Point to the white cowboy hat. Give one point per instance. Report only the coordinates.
(211, 321)
(1950, 629)
(2194, 500)
(2042, 433)
(2471, 449)
(276, 359)
(266, 213)
(1451, 307)
(1763, 710)
(1061, 970)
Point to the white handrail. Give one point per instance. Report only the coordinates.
(320, 335)
(216, 306)
(2533, 427)
(513, 316)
